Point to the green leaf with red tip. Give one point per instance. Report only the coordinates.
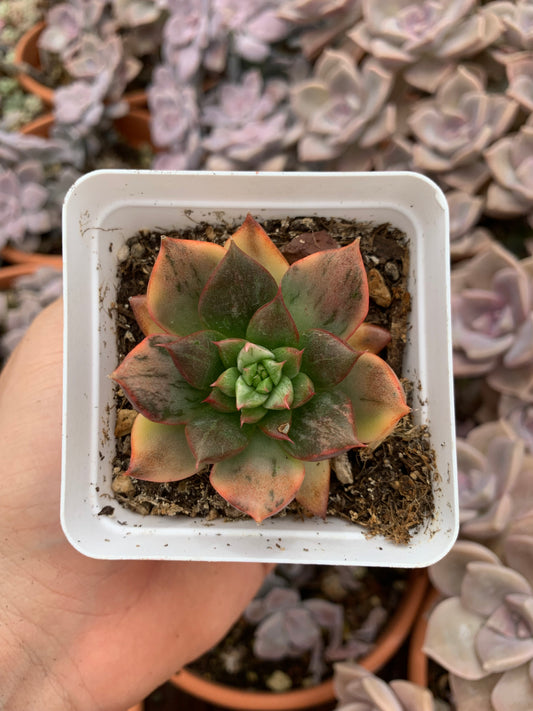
(252, 415)
(291, 358)
(220, 402)
(180, 273)
(238, 287)
(261, 480)
(139, 306)
(313, 494)
(277, 424)
(272, 325)
(196, 357)
(251, 353)
(377, 397)
(322, 428)
(227, 381)
(159, 452)
(281, 396)
(254, 241)
(247, 397)
(328, 290)
(369, 337)
(229, 349)
(303, 389)
(326, 359)
(274, 370)
(213, 436)
(154, 385)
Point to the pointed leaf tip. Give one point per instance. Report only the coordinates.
(254, 241)
(328, 290)
(179, 275)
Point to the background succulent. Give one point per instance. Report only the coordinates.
(483, 632)
(425, 39)
(253, 372)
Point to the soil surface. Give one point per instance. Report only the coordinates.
(388, 489)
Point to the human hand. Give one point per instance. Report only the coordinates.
(77, 633)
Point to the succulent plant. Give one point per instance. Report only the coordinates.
(320, 22)
(490, 462)
(186, 36)
(343, 105)
(483, 633)
(251, 126)
(247, 366)
(518, 415)
(357, 689)
(511, 163)
(519, 70)
(23, 203)
(456, 126)
(29, 295)
(516, 19)
(425, 39)
(175, 116)
(288, 626)
(491, 320)
(133, 13)
(466, 239)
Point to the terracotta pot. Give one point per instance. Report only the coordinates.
(27, 52)
(417, 668)
(19, 256)
(388, 643)
(134, 127)
(9, 274)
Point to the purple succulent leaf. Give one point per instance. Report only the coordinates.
(451, 636)
(506, 640)
(486, 585)
(63, 25)
(515, 684)
(474, 695)
(447, 575)
(153, 384)
(329, 616)
(230, 311)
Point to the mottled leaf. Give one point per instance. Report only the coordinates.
(303, 389)
(377, 397)
(159, 452)
(322, 428)
(261, 480)
(328, 290)
(291, 359)
(314, 492)
(196, 357)
(214, 435)
(326, 359)
(179, 276)
(154, 385)
(254, 241)
(272, 325)
(238, 287)
(221, 402)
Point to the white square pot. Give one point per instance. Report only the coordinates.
(102, 210)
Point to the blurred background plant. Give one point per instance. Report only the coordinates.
(443, 87)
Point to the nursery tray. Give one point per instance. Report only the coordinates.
(105, 208)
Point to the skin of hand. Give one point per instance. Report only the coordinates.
(77, 633)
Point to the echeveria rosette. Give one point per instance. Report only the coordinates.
(254, 367)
